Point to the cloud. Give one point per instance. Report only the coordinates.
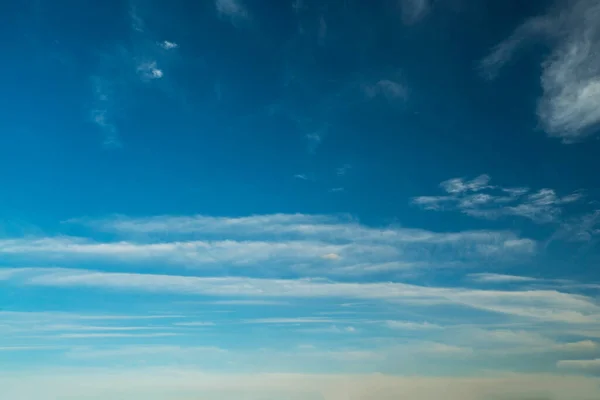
(459, 185)
(323, 227)
(534, 28)
(276, 241)
(570, 77)
(336, 190)
(301, 177)
(536, 305)
(500, 278)
(195, 323)
(250, 303)
(341, 171)
(122, 352)
(387, 88)
(233, 9)
(102, 114)
(165, 44)
(314, 140)
(137, 58)
(580, 229)
(414, 10)
(579, 364)
(290, 321)
(148, 70)
(331, 256)
(407, 325)
(477, 198)
(105, 335)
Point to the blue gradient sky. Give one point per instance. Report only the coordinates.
(300, 199)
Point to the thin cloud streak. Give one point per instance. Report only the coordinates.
(540, 305)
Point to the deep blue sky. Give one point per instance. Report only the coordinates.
(448, 145)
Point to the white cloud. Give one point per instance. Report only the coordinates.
(296, 241)
(233, 9)
(121, 352)
(536, 305)
(331, 256)
(301, 176)
(408, 325)
(297, 320)
(105, 335)
(479, 199)
(195, 323)
(583, 345)
(165, 44)
(580, 229)
(568, 108)
(28, 348)
(250, 303)
(499, 278)
(336, 190)
(148, 70)
(459, 185)
(579, 364)
(503, 52)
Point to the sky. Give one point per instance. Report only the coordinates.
(300, 199)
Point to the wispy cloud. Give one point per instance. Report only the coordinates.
(307, 243)
(314, 141)
(540, 305)
(570, 74)
(233, 9)
(478, 198)
(408, 325)
(579, 364)
(102, 111)
(250, 303)
(301, 177)
(148, 70)
(105, 335)
(389, 89)
(580, 229)
(297, 320)
(414, 10)
(500, 278)
(343, 170)
(137, 59)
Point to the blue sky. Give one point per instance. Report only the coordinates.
(300, 199)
